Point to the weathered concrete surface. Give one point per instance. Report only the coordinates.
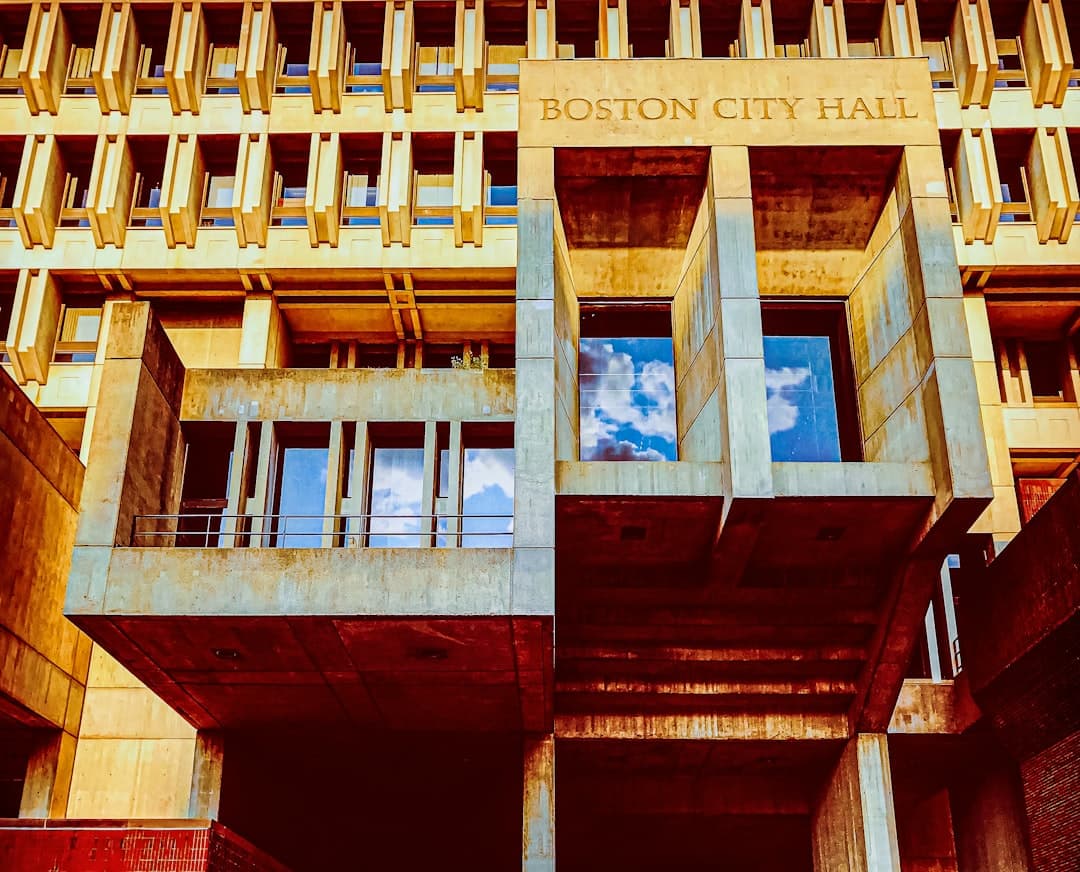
(43, 657)
(854, 824)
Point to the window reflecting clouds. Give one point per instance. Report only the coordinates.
(801, 399)
(397, 497)
(487, 489)
(627, 388)
(303, 492)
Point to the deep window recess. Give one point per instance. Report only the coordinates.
(626, 380)
(396, 503)
(207, 469)
(300, 492)
(79, 327)
(1046, 369)
(809, 383)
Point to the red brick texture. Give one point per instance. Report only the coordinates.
(1052, 797)
(127, 846)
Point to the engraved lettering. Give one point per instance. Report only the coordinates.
(551, 109)
(653, 114)
(581, 116)
(825, 106)
(690, 110)
(720, 111)
(789, 104)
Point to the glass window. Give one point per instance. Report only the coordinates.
(397, 498)
(801, 398)
(301, 497)
(626, 379)
(809, 383)
(77, 342)
(487, 498)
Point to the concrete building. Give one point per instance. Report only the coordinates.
(735, 340)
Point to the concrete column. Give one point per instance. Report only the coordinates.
(538, 805)
(535, 427)
(988, 818)
(206, 774)
(136, 460)
(744, 426)
(48, 777)
(853, 826)
(264, 334)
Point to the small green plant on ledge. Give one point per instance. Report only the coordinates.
(474, 362)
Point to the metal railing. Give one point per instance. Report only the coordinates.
(220, 530)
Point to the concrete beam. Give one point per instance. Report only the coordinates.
(538, 805)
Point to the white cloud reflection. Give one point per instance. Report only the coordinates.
(783, 414)
(627, 399)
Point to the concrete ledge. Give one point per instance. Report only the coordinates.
(304, 581)
(638, 479)
(934, 708)
(853, 480)
(348, 394)
(750, 727)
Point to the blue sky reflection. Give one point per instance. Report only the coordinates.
(801, 399)
(627, 399)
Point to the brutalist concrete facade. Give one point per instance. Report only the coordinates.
(391, 551)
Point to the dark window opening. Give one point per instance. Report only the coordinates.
(500, 179)
(289, 155)
(1046, 363)
(361, 158)
(506, 32)
(148, 154)
(1012, 150)
(434, 29)
(208, 463)
(935, 27)
(433, 179)
(626, 381)
(577, 30)
(11, 149)
(7, 305)
(293, 24)
(13, 21)
(82, 26)
(364, 23)
(152, 24)
(76, 161)
(219, 155)
(223, 30)
(791, 29)
(648, 28)
(720, 29)
(809, 383)
(863, 27)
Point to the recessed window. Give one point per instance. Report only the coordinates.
(7, 304)
(299, 499)
(398, 516)
(204, 496)
(364, 24)
(79, 327)
(1046, 369)
(626, 380)
(809, 385)
(223, 26)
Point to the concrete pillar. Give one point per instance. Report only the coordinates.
(988, 818)
(136, 428)
(853, 826)
(745, 434)
(538, 805)
(206, 774)
(540, 415)
(48, 776)
(264, 335)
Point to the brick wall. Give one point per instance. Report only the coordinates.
(1052, 797)
(118, 846)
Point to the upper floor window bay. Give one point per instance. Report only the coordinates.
(626, 377)
(809, 384)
